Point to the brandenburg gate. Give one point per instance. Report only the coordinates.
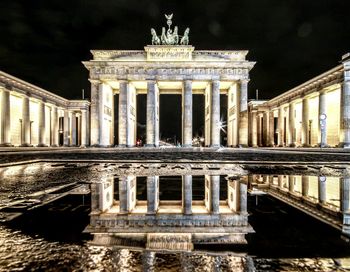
(169, 66)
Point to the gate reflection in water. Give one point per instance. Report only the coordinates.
(157, 224)
(168, 224)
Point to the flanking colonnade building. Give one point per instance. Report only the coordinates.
(32, 116)
(315, 113)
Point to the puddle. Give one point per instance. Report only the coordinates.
(204, 217)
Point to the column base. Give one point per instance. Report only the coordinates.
(186, 145)
(150, 145)
(242, 145)
(306, 145)
(6, 145)
(215, 146)
(55, 145)
(344, 145)
(42, 145)
(82, 146)
(26, 145)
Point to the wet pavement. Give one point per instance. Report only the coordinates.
(11, 155)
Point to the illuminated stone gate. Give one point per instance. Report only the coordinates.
(168, 66)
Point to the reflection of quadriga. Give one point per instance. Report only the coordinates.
(168, 225)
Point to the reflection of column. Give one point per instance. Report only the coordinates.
(54, 129)
(243, 113)
(102, 195)
(5, 118)
(148, 260)
(305, 122)
(322, 189)
(187, 194)
(74, 129)
(127, 194)
(187, 113)
(345, 194)
(280, 181)
(243, 197)
(42, 129)
(305, 186)
(95, 117)
(152, 126)
(254, 130)
(124, 108)
(83, 127)
(152, 194)
(280, 126)
(66, 128)
(291, 127)
(25, 121)
(215, 194)
(291, 183)
(215, 114)
(322, 126)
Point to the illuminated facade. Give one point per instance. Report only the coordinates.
(159, 70)
(32, 116)
(315, 113)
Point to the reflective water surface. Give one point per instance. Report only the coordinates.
(298, 222)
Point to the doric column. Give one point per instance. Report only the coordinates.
(187, 113)
(322, 119)
(123, 113)
(243, 114)
(322, 189)
(25, 121)
(83, 127)
(345, 112)
(305, 122)
(5, 118)
(280, 127)
(54, 131)
(291, 126)
(42, 127)
(95, 113)
(254, 129)
(152, 194)
(266, 128)
(152, 126)
(66, 128)
(271, 129)
(215, 194)
(187, 194)
(215, 114)
(73, 135)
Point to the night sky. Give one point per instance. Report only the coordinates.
(44, 42)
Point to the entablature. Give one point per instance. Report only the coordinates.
(320, 83)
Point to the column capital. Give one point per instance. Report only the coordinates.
(95, 81)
